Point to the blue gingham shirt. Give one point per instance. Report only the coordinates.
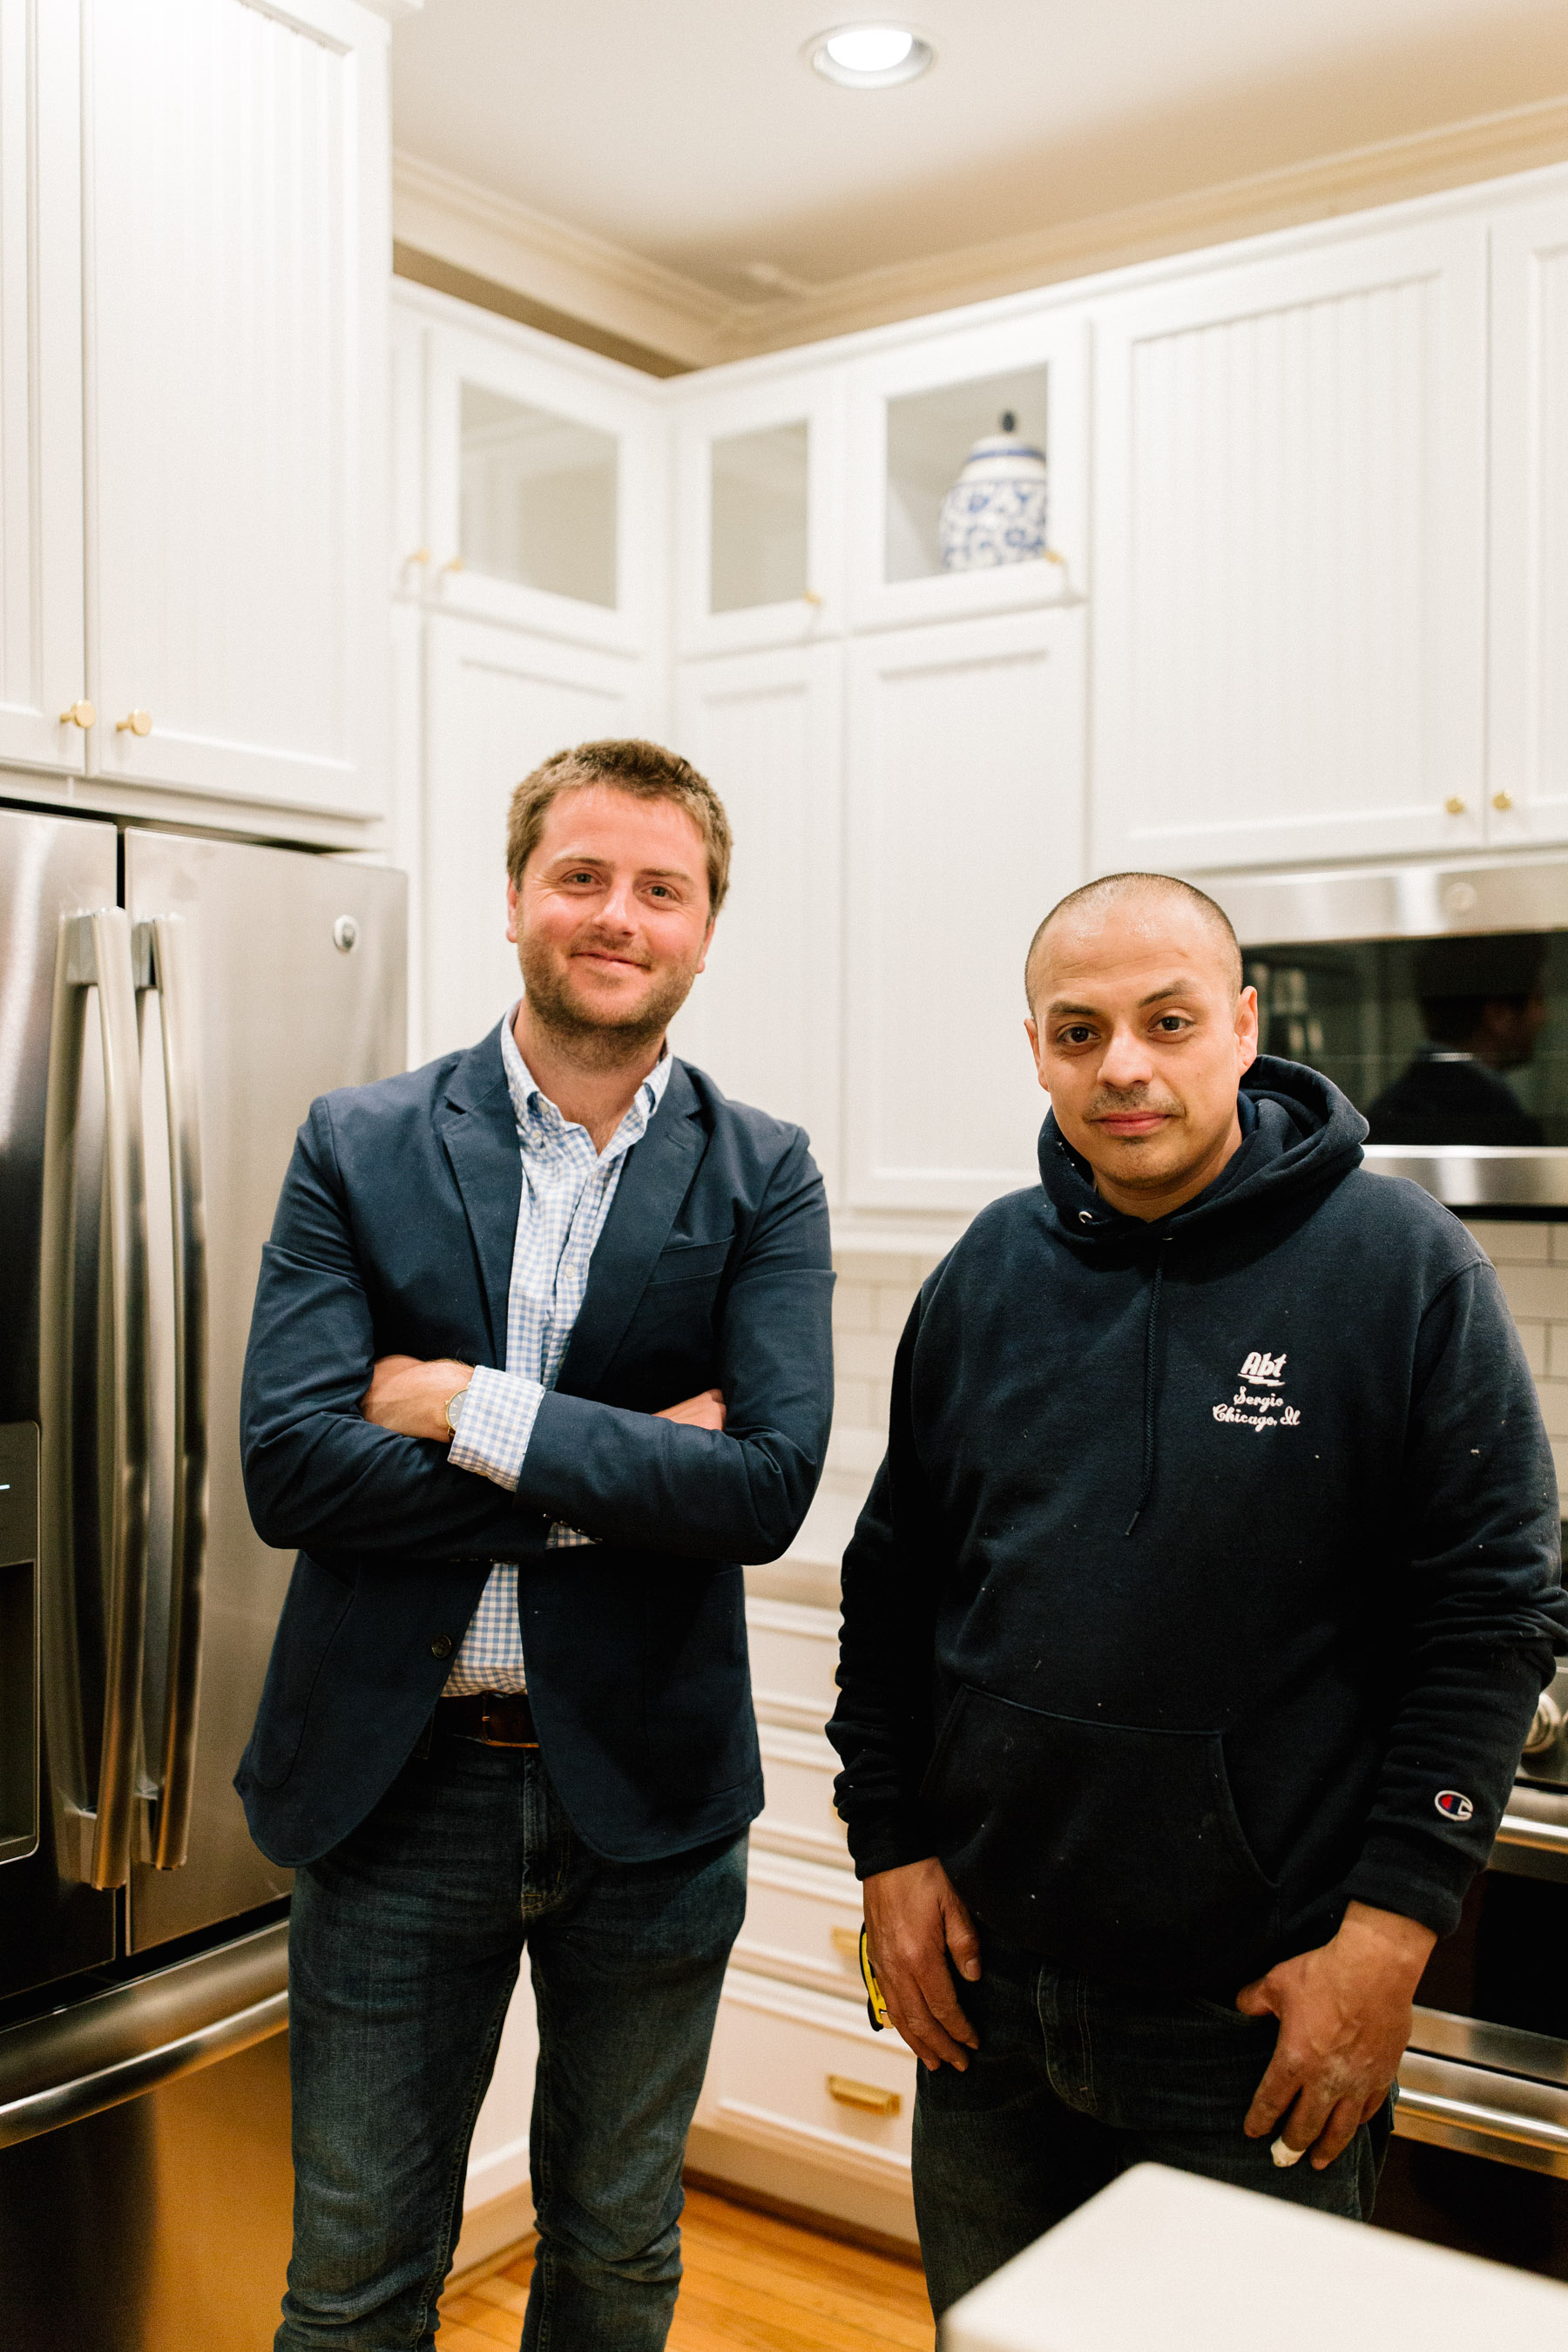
(567, 1189)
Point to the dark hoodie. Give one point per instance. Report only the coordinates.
(1212, 1575)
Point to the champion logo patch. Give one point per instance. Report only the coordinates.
(1453, 1804)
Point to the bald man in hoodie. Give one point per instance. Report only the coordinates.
(1195, 1620)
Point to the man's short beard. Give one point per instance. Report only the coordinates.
(593, 1040)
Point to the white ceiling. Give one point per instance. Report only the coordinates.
(691, 132)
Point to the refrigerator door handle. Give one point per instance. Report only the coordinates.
(163, 962)
(94, 952)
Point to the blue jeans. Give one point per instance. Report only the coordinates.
(1076, 2080)
(403, 1949)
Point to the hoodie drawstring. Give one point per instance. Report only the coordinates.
(1149, 1339)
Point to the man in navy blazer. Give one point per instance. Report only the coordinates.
(541, 1352)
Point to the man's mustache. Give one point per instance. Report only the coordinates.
(1108, 1104)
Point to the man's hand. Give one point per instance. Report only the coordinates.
(411, 1397)
(704, 1412)
(915, 1918)
(1345, 2019)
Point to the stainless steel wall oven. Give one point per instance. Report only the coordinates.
(1437, 998)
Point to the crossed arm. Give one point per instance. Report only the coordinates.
(324, 1475)
(410, 1397)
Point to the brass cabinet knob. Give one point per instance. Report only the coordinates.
(80, 714)
(1454, 804)
(453, 564)
(140, 723)
(420, 555)
(811, 596)
(1502, 800)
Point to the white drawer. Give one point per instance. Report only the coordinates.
(804, 2070)
(795, 1655)
(797, 1815)
(803, 1923)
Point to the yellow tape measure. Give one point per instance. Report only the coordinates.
(876, 2007)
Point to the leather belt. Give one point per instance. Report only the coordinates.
(500, 1720)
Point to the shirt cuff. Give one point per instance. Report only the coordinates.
(494, 1426)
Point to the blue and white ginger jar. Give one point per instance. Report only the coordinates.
(996, 511)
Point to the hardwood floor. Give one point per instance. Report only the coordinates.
(752, 2284)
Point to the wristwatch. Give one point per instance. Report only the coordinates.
(455, 1407)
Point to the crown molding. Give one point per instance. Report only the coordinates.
(1425, 163)
(552, 264)
(546, 262)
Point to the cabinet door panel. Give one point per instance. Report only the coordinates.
(544, 485)
(762, 1019)
(759, 545)
(496, 705)
(1289, 643)
(236, 339)
(42, 671)
(966, 746)
(1527, 774)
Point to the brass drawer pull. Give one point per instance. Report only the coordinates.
(848, 1941)
(865, 2096)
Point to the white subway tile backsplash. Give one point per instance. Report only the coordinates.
(1534, 1291)
(1507, 1244)
(864, 1355)
(854, 1307)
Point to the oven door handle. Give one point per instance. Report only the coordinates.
(1420, 2104)
(1536, 1837)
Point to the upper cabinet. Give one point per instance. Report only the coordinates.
(544, 489)
(964, 827)
(193, 329)
(939, 525)
(766, 1017)
(236, 253)
(1527, 771)
(1291, 556)
(43, 673)
(760, 508)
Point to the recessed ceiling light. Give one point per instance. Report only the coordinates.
(870, 56)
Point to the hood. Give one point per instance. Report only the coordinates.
(1299, 1132)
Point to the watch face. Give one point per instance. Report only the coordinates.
(455, 1409)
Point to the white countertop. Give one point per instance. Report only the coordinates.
(1164, 2261)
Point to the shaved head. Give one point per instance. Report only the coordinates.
(1142, 899)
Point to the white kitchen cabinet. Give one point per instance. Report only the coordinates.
(914, 414)
(496, 704)
(764, 1018)
(1289, 571)
(1528, 770)
(42, 659)
(802, 2072)
(760, 512)
(966, 823)
(234, 241)
(543, 486)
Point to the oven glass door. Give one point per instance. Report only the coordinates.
(1452, 1041)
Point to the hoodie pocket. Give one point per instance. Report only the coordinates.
(1106, 1847)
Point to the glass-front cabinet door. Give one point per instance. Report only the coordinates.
(759, 515)
(966, 473)
(545, 497)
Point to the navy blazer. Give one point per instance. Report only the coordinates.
(394, 1235)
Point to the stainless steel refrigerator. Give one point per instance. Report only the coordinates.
(169, 1006)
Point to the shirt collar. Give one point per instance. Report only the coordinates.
(539, 1120)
